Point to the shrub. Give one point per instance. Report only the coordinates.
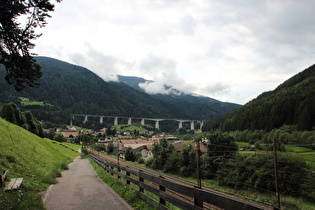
(59, 137)
(141, 160)
(258, 172)
(220, 145)
(84, 151)
(149, 162)
(110, 148)
(130, 154)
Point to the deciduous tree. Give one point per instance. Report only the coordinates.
(16, 39)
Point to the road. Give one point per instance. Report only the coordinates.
(80, 188)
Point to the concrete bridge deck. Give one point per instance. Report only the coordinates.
(143, 119)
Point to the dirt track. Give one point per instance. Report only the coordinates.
(81, 188)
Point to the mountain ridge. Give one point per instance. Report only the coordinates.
(206, 107)
(72, 89)
(291, 103)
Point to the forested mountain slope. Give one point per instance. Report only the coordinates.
(199, 107)
(150, 103)
(291, 103)
(68, 88)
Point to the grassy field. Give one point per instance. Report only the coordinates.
(39, 161)
(129, 128)
(28, 102)
(306, 154)
(32, 103)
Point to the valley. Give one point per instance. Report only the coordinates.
(161, 132)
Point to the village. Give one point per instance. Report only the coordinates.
(141, 141)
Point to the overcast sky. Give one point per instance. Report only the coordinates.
(230, 50)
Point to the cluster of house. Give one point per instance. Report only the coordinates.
(145, 146)
(73, 132)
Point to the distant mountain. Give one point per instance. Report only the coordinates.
(68, 88)
(132, 81)
(291, 103)
(198, 107)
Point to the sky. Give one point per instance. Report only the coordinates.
(230, 50)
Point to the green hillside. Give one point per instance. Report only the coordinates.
(197, 107)
(151, 104)
(35, 159)
(291, 103)
(203, 107)
(69, 89)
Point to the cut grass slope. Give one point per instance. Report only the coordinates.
(39, 161)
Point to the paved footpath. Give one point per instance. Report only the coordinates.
(80, 188)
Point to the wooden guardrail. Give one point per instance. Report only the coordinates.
(182, 196)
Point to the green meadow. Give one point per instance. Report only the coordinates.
(129, 128)
(39, 161)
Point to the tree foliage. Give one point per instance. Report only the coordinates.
(291, 103)
(220, 148)
(161, 152)
(16, 39)
(84, 138)
(258, 173)
(132, 155)
(11, 113)
(287, 134)
(110, 148)
(59, 137)
(187, 161)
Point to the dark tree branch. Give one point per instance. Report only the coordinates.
(16, 41)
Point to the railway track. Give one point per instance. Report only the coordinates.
(177, 181)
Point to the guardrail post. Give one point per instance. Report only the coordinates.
(128, 175)
(118, 169)
(162, 188)
(141, 180)
(197, 201)
(112, 172)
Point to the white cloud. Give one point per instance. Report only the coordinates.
(229, 50)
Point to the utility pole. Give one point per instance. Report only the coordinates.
(117, 143)
(276, 172)
(198, 163)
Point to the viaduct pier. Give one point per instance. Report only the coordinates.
(142, 120)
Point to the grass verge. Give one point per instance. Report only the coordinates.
(39, 161)
(130, 195)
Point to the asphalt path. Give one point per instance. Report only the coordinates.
(80, 188)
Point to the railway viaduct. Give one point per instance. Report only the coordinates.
(143, 120)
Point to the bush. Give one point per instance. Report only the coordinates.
(141, 160)
(11, 113)
(161, 152)
(149, 162)
(99, 147)
(172, 165)
(187, 161)
(110, 148)
(132, 155)
(59, 137)
(84, 152)
(258, 172)
(220, 145)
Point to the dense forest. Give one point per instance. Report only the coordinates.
(69, 89)
(291, 103)
(198, 107)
